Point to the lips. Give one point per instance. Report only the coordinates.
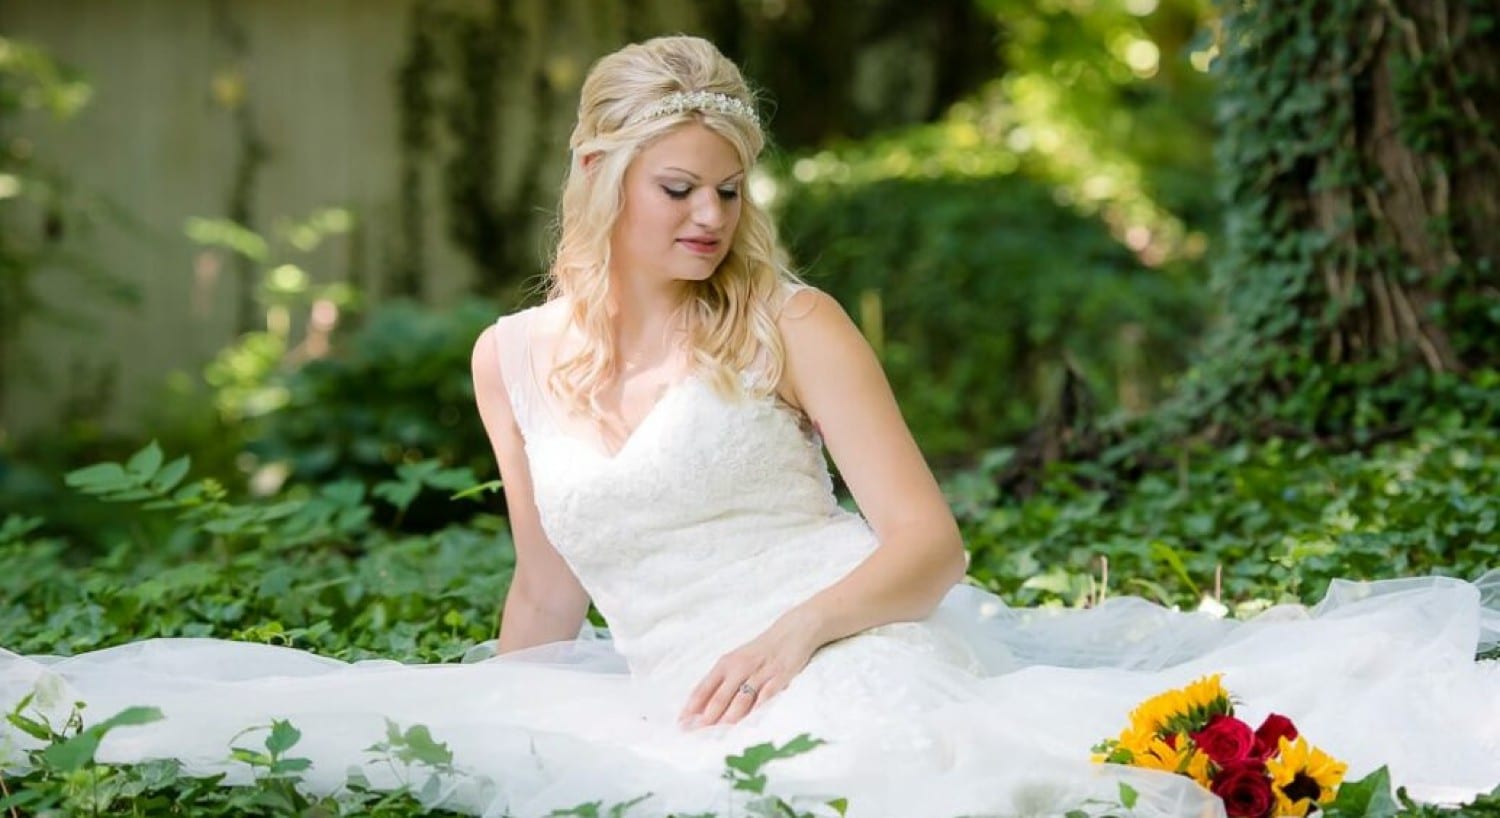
(701, 246)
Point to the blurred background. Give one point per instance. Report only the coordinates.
(268, 221)
(1189, 299)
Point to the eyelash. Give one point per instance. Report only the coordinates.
(679, 194)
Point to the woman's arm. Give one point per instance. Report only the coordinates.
(834, 376)
(545, 602)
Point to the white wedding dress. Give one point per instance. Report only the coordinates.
(714, 518)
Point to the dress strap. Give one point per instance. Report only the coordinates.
(513, 346)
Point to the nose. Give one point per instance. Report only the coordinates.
(708, 210)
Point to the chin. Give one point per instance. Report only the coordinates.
(700, 273)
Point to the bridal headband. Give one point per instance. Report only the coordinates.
(700, 101)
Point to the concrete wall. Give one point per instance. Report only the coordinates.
(183, 90)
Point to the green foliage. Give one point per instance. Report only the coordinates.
(1114, 102)
(1281, 518)
(395, 391)
(61, 779)
(1057, 217)
(1339, 271)
(996, 268)
(1369, 797)
(1246, 525)
(243, 373)
(309, 568)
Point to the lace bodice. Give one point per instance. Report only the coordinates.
(708, 493)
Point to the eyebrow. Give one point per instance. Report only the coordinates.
(696, 177)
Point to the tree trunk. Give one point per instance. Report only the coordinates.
(1363, 184)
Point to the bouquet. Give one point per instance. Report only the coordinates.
(1192, 731)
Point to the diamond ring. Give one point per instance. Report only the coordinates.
(747, 689)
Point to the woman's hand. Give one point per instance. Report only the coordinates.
(752, 674)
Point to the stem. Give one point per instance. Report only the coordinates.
(5, 791)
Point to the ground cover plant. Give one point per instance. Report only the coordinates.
(1235, 529)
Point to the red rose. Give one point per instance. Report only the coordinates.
(1245, 789)
(1226, 740)
(1269, 734)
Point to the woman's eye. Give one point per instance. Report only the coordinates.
(677, 192)
(729, 194)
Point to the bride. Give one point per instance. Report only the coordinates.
(660, 424)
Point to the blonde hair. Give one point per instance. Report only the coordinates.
(730, 317)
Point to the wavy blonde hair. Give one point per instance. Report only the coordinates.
(730, 317)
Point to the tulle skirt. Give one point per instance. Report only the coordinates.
(995, 717)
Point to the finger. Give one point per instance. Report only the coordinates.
(769, 690)
(746, 696)
(700, 695)
(713, 711)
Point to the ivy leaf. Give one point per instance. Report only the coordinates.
(398, 493)
(421, 747)
(749, 763)
(1369, 797)
(283, 737)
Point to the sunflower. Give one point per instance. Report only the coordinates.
(1177, 755)
(1302, 775)
(1182, 710)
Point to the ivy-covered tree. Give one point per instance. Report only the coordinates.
(1361, 181)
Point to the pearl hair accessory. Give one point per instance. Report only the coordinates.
(700, 101)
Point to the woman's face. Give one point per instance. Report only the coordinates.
(681, 206)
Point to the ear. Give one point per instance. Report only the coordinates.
(588, 160)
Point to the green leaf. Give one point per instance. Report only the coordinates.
(283, 737)
(1166, 553)
(98, 477)
(14, 527)
(750, 761)
(345, 492)
(30, 727)
(1369, 797)
(619, 810)
(21, 798)
(229, 235)
(489, 486)
(284, 766)
(254, 758)
(145, 462)
(172, 474)
(78, 751)
(421, 747)
(1128, 795)
(398, 494)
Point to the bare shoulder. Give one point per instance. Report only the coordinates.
(823, 344)
(508, 331)
(484, 365)
(810, 317)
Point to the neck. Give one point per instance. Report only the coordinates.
(643, 315)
